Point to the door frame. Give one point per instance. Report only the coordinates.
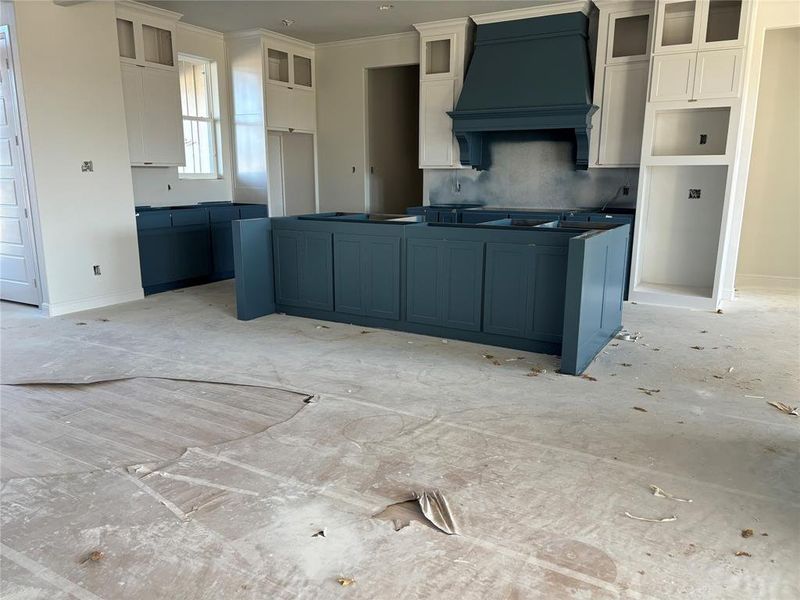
(29, 197)
(365, 84)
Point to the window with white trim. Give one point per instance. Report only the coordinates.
(200, 109)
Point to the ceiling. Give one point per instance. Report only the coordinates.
(331, 20)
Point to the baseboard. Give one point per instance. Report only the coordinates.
(72, 306)
(770, 282)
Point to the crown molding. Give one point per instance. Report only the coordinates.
(147, 9)
(261, 32)
(200, 30)
(554, 8)
(370, 39)
(445, 24)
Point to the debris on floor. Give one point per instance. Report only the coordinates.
(80, 323)
(536, 371)
(492, 359)
(754, 397)
(746, 533)
(320, 533)
(785, 408)
(649, 520)
(430, 507)
(588, 377)
(627, 336)
(648, 391)
(743, 553)
(93, 556)
(640, 409)
(625, 365)
(365, 332)
(697, 347)
(322, 327)
(345, 581)
(659, 493)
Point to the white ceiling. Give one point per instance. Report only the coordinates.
(331, 20)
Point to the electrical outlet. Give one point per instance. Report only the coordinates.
(694, 193)
(96, 270)
(703, 139)
(626, 189)
(87, 166)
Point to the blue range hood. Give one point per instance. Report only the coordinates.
(526, 75)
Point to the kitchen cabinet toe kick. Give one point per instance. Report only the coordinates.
(536, 288)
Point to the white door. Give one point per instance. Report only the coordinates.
(275, 170)
(17, 259)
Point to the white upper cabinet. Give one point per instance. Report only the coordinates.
(289, 98)
(150, 87)
(700, 25)
(624, 41)
(443, 50)
(288, 67)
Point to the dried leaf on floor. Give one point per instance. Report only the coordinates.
(320, 533)
(648, 391)
(649, 520)
(322, 327)
(658, 492)
(746, 533)
(625, 365)
(492, 359)
(345, 581)
(93, 556)
(785, 408)
(704, 331)
(743, 553)
(365, 332)
(640, 409)
(536, 371)
(588, 377)
(719, 311)
(696, 347)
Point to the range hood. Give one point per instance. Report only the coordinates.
(528, 74)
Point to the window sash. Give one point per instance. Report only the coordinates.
(197, 107)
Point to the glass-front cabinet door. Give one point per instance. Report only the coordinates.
(302, 71)
(723, 25)
(629, 36)
(439, 56)
(678, 25)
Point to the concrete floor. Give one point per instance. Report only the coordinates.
(538, 469)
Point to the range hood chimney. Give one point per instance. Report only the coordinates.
(527, 74)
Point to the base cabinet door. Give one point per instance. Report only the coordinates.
(316, 270)
(348, 274)
(444, 283)
(381, 268)
(222, 240)
(286, 252)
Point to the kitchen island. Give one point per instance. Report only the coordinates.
(542, 286)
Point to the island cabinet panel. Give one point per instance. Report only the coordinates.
(367, 275)
(445, 283)
(524, 291)
(304, 268)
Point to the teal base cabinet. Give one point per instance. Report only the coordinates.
(445, 281)
(303, 268)
(539, 289)
(367, 275)
(252, 250)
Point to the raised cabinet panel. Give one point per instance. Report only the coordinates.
(316, 272)
(382, 276)
(304, 110)
(546, 291)
(287, 250)
(162, 129)
(462, 266)
(423, 275)
(436, 126)
(133, 97)
(718, 74)
(279, 107)
(506, 290)
(348, 274)
(673, 76)
(622, 118)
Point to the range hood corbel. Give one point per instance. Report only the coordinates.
(526, 74)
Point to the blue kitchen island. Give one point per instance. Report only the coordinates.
(538, 285)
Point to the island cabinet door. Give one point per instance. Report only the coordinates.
(524, 291)
(445, 283)
(303, 268)
(367, 275)
(316, 270)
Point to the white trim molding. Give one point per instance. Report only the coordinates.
(768, 282)
(554, 8)
(368, 40)
(72, 306)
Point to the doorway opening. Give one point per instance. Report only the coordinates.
(394, 178)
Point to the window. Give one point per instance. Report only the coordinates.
(200, 109)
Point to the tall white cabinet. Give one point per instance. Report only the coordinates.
(150, 87)
(444, 48)
(273, 98)
(689, 153)
(622, 66)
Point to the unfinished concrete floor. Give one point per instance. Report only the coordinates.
(539, 469)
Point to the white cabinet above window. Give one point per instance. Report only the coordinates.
(146, 35)
(288, 67)
(700, 25)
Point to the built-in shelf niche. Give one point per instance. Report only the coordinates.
(437, 57)
(683, 221)
(724, 17)
(125, 38)
(691, 132)
(278, 65)
(678, 26)
(302, 70)
(630, 36)
(157, 45)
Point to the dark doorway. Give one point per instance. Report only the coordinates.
(394, 176)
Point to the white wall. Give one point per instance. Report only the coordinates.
(161, 186)
(769, 15)
(769, 251)
(70, 82)
(341, 112)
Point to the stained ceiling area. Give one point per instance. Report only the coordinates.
(332, 20)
